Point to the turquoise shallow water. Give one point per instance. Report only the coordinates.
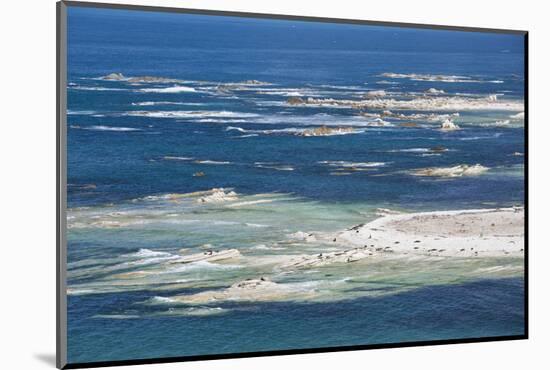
(132, 144)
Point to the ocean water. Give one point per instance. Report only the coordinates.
(136, 150)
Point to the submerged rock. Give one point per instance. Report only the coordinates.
(317, 260)
(253, 82)
(386, 212)
(438, 149)
(138, 79)
(114, 77)
(449, 125)
(379, 122)
(151, 79)
(375, 94)
(300, 235)
(209, 256)
(326, 131)
(295, 100)
(259, 290)
(456, 171)
(434, 91)
(218, 196)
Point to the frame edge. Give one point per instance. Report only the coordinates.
(288, 17)
(61, 182)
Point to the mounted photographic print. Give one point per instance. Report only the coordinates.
(234, 184)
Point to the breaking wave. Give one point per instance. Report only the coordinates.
(188, 114)
(436, 78)
(106, 128)
(169, 90)
(353, 164)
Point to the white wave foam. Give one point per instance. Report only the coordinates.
(306, 131)
(80, 112)
(199, 161)
(115, 317)
(448, 125)
(456, 171)
(436, 78)
(154, 103)
(484, 137)
(162, 300)
(169, 90)
(342, 87)
(426, 103)
(145, 253)
(251, 202)
(434, 91)
(188, 114)
(150, 260)
(353, 164)
(287, 92)
(200, 265)
(410, 150)
(207, 161)
(218, 196)
(274, 166)
(94, 88)
(520, 115)
(195, 311)
(217, 120)
(107, 128)
(176, 158)
(376, 93)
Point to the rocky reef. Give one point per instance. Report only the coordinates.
(326, 131)
(456, 171)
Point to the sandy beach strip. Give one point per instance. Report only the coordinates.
(463, 233)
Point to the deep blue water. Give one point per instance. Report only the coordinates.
(481, 309)
(109, 166)
(289, 54)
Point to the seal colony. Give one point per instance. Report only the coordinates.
(464, 234)
(311, 265)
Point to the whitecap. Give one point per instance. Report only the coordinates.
(107, 128)
(436, 78)
(116, 317)
(455, 171)
(216, 120)
(176, 158)
(169, 90)
(484, 137)
(162, 300)
(199, 265)
(153, 103)
(520, 115)
(188, 114)
(274, 166)
(410, 150)
(207, 161)
(305, 131)
(194, 311)
(251, 202)
(144, 252)
(80, 112)
(352, 164)
(94, 88)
